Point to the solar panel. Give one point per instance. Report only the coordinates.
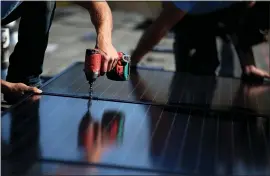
(167, 88)
(143, 137)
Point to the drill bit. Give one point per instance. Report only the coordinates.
(91, 90)
(90, 94)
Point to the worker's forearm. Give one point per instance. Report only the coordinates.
(152, 36)
(149, 39)
(101, 18)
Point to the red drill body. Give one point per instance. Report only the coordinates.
(93, 64)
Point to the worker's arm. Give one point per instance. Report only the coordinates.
(101, 18)
(244, 49)
(169, 16)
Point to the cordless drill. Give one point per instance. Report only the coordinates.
(92, 67)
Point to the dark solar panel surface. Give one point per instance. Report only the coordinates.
(47, 168)
(57, 168)
(142, 137)
(167, 88)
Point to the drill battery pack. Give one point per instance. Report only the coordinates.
(121, 71)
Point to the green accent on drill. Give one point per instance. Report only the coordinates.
(120, 133)
(112, 75)
(126, 71)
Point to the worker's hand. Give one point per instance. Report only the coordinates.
(97, 143)
(254, 73)
(14, 91)
(109, 53)
(251, 69)
(20, 89)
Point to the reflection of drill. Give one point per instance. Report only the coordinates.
(93, 64)
(111, 127)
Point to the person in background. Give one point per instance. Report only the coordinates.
(36, 17)
(195, 38)
(174, 12)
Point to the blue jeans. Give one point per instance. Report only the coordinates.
(26, 61)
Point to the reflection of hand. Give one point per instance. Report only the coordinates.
(248, 94)
(254, 91)
(97, 142)
(96, 137)
(35, 98)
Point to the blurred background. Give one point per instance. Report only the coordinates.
(72, 32)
